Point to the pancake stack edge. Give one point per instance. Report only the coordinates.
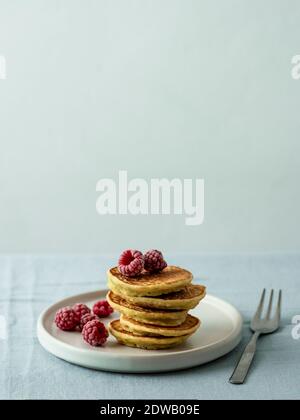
(154, 307)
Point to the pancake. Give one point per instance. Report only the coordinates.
(187, 298)
(171, 279)
(188, 327)
(162, 317)
(148, 343)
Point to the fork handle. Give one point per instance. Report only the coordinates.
(242, 368)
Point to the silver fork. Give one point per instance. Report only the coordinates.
(259, 325)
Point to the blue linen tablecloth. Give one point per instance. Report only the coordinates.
(28, 284)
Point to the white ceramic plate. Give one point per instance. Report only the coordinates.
(219, 333)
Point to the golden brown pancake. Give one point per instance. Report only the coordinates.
(188, 327)
(148, 343)
(187, 298)
(171, 279)
(164, 317)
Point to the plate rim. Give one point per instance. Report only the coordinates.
(44, 334)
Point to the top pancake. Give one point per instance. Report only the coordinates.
(171, 279)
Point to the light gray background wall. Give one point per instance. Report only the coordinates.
(162, 88)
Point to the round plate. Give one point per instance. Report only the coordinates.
(219, 333)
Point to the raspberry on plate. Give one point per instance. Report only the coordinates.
(154, 261)
(66, 319)
(86, 318)
(81, 309)
(131, 263)
(102, 309)
(95, 333)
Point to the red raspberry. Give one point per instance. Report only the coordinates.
(131, 263)
(66, 319)
(95, 333)
(154, 261)
(86, 318)
(102, 309)
(81, 309)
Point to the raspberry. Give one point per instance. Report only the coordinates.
(95, 333)
(154, 261)
(66, 319)
(131, 263)
(102, 309)
(86, 318)
(81, 309)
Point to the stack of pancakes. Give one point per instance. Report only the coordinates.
(154, 307)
